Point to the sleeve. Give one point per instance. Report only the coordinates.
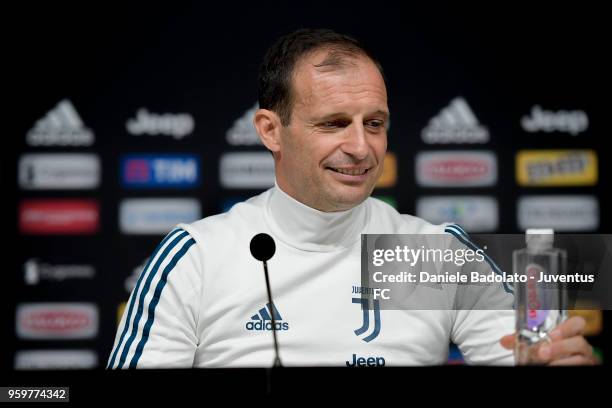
(483, 312)
(159, 325)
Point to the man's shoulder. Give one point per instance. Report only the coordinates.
(242, 215)
(388, 220)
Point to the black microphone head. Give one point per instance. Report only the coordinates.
(262, 247)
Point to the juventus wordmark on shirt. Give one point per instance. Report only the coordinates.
(201, 299)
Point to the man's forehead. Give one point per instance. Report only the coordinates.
(321, 65)
(357, 78)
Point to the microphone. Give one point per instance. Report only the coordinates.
(263, 248)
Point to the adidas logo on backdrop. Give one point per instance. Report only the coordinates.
(455, 124)
(61, 126)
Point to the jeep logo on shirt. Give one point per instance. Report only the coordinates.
(365, 361)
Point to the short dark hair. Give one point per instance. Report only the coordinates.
(276, 71)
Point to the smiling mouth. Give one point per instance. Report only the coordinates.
(349, 172)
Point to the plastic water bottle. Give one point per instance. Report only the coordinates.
(541, 301)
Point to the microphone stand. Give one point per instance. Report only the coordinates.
(277, 361)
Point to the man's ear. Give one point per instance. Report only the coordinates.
(268, 126)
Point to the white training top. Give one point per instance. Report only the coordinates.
(201, 299)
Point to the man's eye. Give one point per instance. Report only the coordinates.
(334, 124)
(375, 123)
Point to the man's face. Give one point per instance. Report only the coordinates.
(331, 154)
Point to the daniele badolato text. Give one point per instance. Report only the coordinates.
(478, 277)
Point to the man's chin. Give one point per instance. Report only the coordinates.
(342, 202)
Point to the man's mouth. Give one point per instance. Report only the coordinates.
(350, 171)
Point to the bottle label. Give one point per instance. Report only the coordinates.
(535, 315)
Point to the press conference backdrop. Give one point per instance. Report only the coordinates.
(133, 118)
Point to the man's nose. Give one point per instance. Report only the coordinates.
(355, 143)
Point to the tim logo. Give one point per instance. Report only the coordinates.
(160, 171)
(262, 320)
(365, 307)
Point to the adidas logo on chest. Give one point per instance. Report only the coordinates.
(262, 320)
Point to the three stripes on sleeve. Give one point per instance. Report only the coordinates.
(140, 315)
(465, 239)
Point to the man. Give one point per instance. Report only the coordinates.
(201, 299)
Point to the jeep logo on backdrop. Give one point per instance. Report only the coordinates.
(175, 125)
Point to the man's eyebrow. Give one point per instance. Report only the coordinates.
(340, 115)
(384, 113)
